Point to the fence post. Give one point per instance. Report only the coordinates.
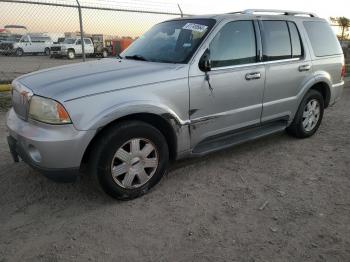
(181, 13)
(81, 31)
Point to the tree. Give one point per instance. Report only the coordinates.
(343, 23)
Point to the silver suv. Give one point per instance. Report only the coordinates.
(188, 87)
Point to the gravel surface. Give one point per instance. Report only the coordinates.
(275, 199)
(5, 101)
(12, 66)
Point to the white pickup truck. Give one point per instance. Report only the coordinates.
(71, 47)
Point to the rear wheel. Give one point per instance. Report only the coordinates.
(129, 159)
(309, 115)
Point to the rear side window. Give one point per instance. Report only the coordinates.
(276, 41)
(281, 40)
(235, 44)
(322, 38)
(297, 50)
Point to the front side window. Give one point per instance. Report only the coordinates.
(25, 39)
(235, 44)
(170, 42)
(78, 42)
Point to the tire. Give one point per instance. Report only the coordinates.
(128, 183)
(19, 52)
(300, 127)
(47, 51)
(71, 54)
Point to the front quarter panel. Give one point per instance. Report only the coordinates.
(169, 99)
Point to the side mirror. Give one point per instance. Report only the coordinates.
(205, 62)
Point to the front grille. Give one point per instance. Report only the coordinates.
(56, 48)
(20, 100)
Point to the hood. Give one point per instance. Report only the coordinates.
(85, 79)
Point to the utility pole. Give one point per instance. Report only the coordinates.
(81, 31)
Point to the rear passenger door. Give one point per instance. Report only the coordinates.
(287, 68)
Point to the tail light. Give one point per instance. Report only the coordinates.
(343, 72)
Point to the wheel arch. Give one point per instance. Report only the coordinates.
(324, 88)
(163, 124)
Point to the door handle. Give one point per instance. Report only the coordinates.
(303, 68)
(253, 76)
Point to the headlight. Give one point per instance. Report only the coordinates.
(48, 111)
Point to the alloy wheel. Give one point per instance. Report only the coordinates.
(311, 115)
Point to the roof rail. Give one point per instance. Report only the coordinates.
(283, 12)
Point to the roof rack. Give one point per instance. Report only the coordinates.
(283, 12)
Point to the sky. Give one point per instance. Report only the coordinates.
(323, 8)
(61, 19)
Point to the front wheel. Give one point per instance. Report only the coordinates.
(71, 54)
(129, 159)
(309, 115)
(19, 52)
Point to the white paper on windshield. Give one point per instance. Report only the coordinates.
(195, 27)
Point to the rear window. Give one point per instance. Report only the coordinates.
(322, 38)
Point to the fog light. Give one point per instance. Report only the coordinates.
(34, 153)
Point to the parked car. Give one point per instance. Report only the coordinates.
(72, 47)
(188, 87)
(33, 44)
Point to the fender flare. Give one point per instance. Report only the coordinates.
(137, 107)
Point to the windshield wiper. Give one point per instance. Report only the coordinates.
(136, 57)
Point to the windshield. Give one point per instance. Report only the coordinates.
(170, 42)
(69, 41)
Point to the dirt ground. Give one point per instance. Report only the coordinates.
(275, 199)
(12, 66)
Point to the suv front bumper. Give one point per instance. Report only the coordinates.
(55, 150)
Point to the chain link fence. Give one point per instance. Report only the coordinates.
(39, 34)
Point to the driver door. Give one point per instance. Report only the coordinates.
(232, 98)
(78, 47)
(26, 44)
